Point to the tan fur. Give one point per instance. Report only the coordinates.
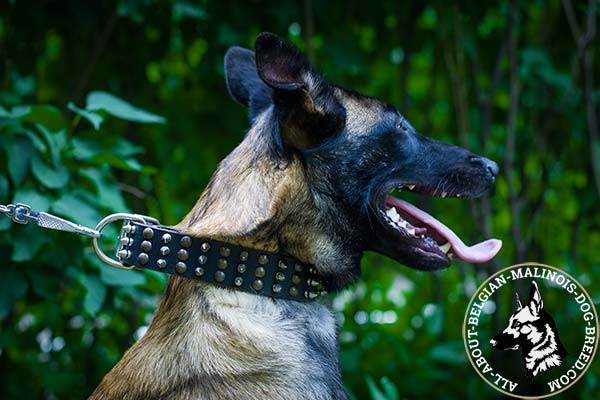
(213, 343)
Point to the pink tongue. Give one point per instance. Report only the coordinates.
(478, 253)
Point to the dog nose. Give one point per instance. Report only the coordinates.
(493, 342)
(486, 163)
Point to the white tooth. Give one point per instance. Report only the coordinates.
(410, 231)
(411, 187)
(446, 247)
(402, 223)
(393, 214)
(444, 194)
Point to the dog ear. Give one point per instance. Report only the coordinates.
(535, 299)
(308, 111)
(243, 82)
(519, 304)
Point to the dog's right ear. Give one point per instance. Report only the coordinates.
(243, 82)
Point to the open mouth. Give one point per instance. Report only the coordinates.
(420, 240)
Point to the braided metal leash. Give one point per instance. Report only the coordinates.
(22, 214)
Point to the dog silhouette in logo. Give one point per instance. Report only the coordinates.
(531, 329)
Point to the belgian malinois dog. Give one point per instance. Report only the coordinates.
(531, 329)
(310, 179)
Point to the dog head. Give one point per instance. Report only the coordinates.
(525, 325)
(330, 157)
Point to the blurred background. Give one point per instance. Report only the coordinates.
(115, 106)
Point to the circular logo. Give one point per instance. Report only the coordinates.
(531, 331)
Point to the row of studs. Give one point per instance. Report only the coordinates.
(183, 255)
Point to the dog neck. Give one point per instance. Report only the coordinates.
(211, 342)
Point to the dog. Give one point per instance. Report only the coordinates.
(532, 330)
(311, 180)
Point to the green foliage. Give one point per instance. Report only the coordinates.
(65, 318)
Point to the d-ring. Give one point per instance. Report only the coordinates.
(112, 218)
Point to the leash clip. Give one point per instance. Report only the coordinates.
(120, 257)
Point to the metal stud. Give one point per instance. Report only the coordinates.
(238, 281)
(225, 251)
(186, 241)
(257, 284)
(143, 258)
(260, 272)
(281, 264)
(148, 233)
(125, 241)
(166, 238)
(160, 263)
(276, 288)
(310, 295)
(124, 254)
(263, 259)
(313, 282)
(222, 263)
(205, 247)
(298, 267)
(127, 228)
(180, 267)
(202, 260)
(199, 271)
(312, 270)
(146, 246)
(241, 268)
(182, 254)
(219, 276)
(164, 250)
(280, 276)
(296, 279)
(294, 291)
(244, 256)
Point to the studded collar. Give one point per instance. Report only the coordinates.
(162, 249)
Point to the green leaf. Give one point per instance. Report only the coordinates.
(95, 294)
(76, 209)
(27, 240)
(50, 177)
(48, 116)
(107, 189)
(390, 389)
(116, 277)
(57, 141)
(37, 201)
(182, 9)
(452, 352)
(374, 391)
(120, 108)
(94, 118)
(16, 113)
(19, 153)
(3, 187)
(13, 286)
(35, 139)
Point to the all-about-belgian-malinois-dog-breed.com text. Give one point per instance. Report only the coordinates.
(309, 183)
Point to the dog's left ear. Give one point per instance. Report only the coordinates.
(243, 82)
(308, 112)
(535, 299)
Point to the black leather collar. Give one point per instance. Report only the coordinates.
(162, 249)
